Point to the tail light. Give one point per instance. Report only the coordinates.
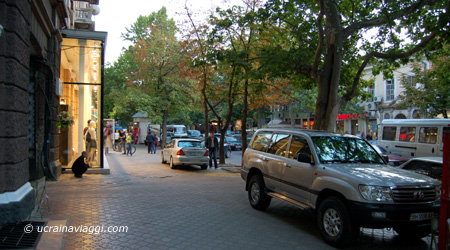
(180, 152)
(206, 153)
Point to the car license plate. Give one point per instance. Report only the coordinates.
(420, 216)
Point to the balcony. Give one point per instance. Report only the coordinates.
(83, 19)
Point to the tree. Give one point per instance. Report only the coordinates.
(115, 90)
(241, 35)
(429, 90)
(157, 54)
(328, 46)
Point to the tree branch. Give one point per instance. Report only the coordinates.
(350, 94)
(384, 19)
(315, 66)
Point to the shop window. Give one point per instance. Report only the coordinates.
(81, 64)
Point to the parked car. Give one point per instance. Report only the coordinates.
(194, 133)
(394, 160)
(342, 180)
(234, 142)
(430, 166)
(182, 151)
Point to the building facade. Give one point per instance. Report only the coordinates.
(382, 106)
(33, 34)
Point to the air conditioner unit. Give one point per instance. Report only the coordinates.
(378, 99)
(370, 106)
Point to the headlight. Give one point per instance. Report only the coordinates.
(375, 193)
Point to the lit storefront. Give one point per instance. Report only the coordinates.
(81, 77)
(355, 123)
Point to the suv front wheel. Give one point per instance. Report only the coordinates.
(335, 224)
(256, 193)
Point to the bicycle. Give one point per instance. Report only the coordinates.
(116, 148)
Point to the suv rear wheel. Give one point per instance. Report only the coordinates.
(335, 224)
(256, 193)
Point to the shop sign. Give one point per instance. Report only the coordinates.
(351, 116)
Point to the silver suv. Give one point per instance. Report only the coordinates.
(340, 178)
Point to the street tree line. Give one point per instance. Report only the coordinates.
(258, 55)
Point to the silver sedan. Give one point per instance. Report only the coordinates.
(182, 151)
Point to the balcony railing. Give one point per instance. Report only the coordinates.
(83, 15)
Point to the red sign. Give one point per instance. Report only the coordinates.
(350, 116)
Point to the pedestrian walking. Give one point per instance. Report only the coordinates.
(212, 144)
(123, 141)
(130, 143)
(150, 142)
(155, 142)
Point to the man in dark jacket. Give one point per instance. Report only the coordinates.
(79, 167)
(151, 140)
(212, 144)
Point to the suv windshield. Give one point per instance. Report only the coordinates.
(345, 150)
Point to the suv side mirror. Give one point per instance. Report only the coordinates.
(303, 157)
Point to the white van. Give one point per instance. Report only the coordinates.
(176, 130)
(413, 137)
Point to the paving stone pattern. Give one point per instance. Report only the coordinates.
(185, 208)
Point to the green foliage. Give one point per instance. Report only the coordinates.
(429, 90)
(147, 77)
(327, 42)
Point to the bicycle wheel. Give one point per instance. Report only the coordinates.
(134, 149)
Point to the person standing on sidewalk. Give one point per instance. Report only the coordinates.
(212, 144)
(150, 142)
(123, 141)
(130, 143)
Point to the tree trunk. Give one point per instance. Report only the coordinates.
(328, 101)
(164, 130)
(244, 118)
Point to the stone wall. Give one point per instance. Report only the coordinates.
(14, 62)
(29, 66)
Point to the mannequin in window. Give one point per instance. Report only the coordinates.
(91, 142)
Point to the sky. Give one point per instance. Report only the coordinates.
(117, 15)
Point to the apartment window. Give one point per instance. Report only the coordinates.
(372, 90)
(425, 66)
(390, 86)
(410, 79)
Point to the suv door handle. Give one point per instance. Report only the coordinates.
(265, 159)
(287, 165)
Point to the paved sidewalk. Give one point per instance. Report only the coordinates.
(186, 208)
